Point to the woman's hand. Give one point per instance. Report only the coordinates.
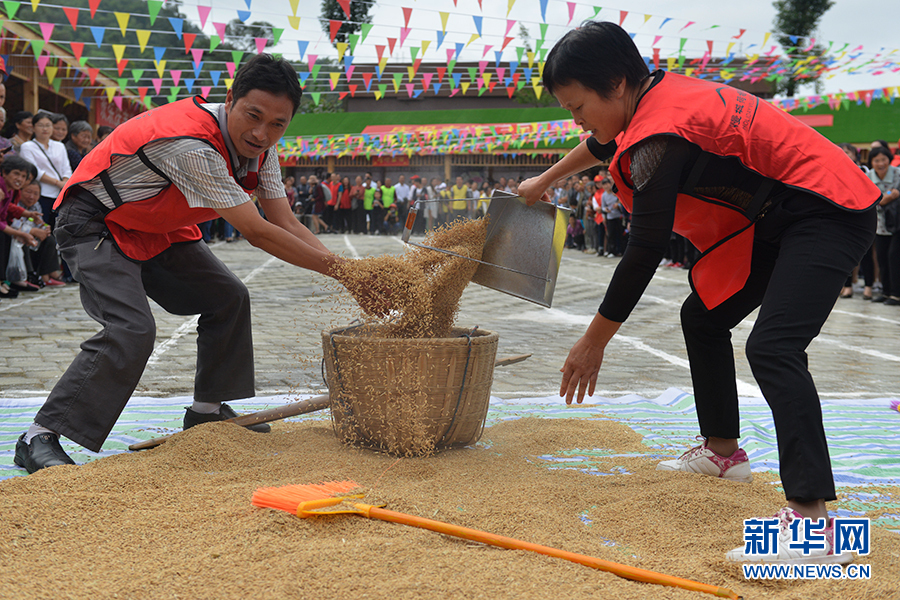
(581, 369)
(26, 238)
(39, 233)
(532, 190)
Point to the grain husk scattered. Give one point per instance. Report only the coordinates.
(176, 522)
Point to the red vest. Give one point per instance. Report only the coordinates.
(146, 228)
(727, 122)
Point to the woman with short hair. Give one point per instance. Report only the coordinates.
(781, 216)
(51, 160)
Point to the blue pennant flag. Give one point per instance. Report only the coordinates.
(98, 34)
(544, 10)
(302, 45)
(215, 77)
(477, 20)
(189, 84)
(177, 25)
(243, 15)
(197, 68)
(498, 55)
(158, 52)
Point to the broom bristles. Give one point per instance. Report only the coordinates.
(288, 497)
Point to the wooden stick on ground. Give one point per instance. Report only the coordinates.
(290, 410)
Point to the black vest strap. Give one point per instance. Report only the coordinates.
(110, 188)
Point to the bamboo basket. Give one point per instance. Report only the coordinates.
(408, 397)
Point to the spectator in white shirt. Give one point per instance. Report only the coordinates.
(52, 161)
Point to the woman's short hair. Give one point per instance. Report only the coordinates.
(269, 74)
(43, 114)
(79, 127)
(57, 117)
(598, 55)
(882, 151)
(850, 148)
(17, 163)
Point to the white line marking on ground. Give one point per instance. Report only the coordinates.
(867, 351)
(863, 316)
(34, 297)
(191, 323)
(350, 247)
(746, 390)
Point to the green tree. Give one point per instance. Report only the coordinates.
(243, 37)
(359, 14)
(526, 95)
(795, 23)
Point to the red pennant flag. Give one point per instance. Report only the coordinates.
(506, 41)
(77, 49)
(93, 4)
(122, 65)
(334, 25)
(92, 75)
(367, 79)
(188, 41)
(738, 36)
(391, 42)
(345, 4)
(622, 15)
(379, 49)
(342, 95)
(72, 14)
(406, 14)
(440, 73)
(142, 92)
(656, 58)
(709, 44)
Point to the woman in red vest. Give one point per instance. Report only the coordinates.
(780, 215)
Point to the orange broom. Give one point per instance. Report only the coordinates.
(307, 500)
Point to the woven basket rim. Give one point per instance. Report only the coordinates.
(479, 336)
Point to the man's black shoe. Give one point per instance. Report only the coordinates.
(192, 417)
(43, 451)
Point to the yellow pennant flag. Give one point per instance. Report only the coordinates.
(228, 83)
(444, 16)
(412, 73)
(465, 86)
(688, 72)
(541, 69)
(160, 67)
(50, 72)
(766, 39)
(754, 58)
(472, 39)
(122, 18)
(530, 59)
(294, 21)
(110, 93)
(538, 89)
(334, 79)
(425, 44)
(396, 83)
(383, 63)
(143, 36)
(119, 51)
(378, 94)
(34, 6)
(647, 18)
(486, 78)
(726, 74)
(670, 63)
(294, 5)
(342, 49)
(509, 6)
(728, 49)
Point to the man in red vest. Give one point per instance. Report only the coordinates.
(780, 215)
(127, 227)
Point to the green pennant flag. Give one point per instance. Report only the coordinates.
(276, 32)
(174, 95)
(543, 30)
(123, 81)
(236, 57)
(83, 60)
(450, 66)
(37, 47)
(56, 83)
(315, 71)
(214, 42)
(137, 74)
(315, 97)
(382, 87)
(398, 77)
(520, 85)
(597, 11)
(354, 40)
(482, 90)
(153, 6)
(276, 55)
(519, 51)
(366, 28)
(473, 75)
(537, 45)
(11, 7)
(414, 52)
(544, 54)
(147, 102)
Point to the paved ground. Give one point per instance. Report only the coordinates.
(856, 355)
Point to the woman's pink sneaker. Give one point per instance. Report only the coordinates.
(701, 459)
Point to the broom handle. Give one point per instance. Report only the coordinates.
(633, 573)
(264, 416)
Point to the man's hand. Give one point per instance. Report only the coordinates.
(40, 233)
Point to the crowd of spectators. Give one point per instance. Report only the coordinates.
(39, 153)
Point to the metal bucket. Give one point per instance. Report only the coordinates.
(522, 250)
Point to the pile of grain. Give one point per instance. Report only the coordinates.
(424, 285)
(176, 522)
